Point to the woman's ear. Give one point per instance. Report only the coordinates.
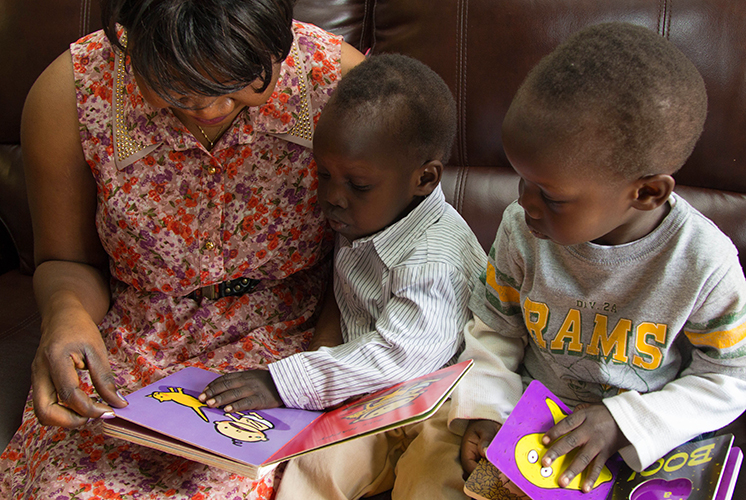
(653, 191)
(428, 177)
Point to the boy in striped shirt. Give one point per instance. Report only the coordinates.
(405, 263)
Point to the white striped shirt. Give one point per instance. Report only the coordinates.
(403, 296)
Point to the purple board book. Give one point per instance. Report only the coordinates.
(171, 407)
(517, 450)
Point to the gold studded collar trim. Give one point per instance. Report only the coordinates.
(292, 120)
(138, 128)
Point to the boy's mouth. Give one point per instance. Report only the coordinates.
(336, 225)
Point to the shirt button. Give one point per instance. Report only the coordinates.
(303, 400)
(209, 245)
(211, 170)
(361, 321)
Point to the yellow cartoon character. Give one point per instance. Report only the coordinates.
(529, 451)
(248, 428)
(388, 402)
(176, 394)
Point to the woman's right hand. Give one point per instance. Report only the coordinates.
(70, 342)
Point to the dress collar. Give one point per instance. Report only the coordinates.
(140, 128)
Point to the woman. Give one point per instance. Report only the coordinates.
(175, 219)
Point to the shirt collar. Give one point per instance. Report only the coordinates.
(392, 242)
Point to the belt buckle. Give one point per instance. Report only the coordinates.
(211, 292)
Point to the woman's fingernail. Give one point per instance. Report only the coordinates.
(107, 415)
(121, 396)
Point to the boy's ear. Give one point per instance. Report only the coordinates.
(653, 191)
(429, 175)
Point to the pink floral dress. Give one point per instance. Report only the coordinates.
(174, 217)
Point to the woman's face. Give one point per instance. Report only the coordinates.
(210, 111)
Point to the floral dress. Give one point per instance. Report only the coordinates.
(174, 217)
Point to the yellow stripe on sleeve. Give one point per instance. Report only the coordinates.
(719, 340)
(504, 293)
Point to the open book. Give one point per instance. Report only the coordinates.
(167, 416)
(698, 470)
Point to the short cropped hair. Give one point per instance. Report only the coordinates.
(404, 95)
(642, 93)
(203, 47)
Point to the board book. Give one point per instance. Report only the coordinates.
(167, 416)
(705, 469)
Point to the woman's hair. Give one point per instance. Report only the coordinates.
(406, 97)
(203, 47)
(646, 97)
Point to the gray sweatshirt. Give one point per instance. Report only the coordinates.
(655, 329)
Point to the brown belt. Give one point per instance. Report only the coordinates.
(238, 286)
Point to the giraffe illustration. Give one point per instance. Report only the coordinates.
(176, 394)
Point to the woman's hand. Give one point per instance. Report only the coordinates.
(595, 433)
(477, 437)
(71, 341)
(249, 390)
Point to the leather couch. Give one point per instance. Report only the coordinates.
(482, 48)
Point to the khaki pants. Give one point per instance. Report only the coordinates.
(419, 461)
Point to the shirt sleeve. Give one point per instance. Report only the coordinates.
(418, 331)
(492, 388)
(495, 340)
(709, 394)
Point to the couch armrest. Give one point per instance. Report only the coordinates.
(19, 337)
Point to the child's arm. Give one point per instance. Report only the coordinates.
(328, 331)
(417, 332)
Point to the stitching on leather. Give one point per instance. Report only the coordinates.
(664, 18)
(370, 12)
(23, 324)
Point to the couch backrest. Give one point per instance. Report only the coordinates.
(483, 49)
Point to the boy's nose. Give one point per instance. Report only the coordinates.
(221, 106)
(332, 195)
(525, 200)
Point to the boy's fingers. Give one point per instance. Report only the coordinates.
(593, 473)
(230, 381)
(562, 446)
(567, 424)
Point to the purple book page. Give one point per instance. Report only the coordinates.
(170, 406)
(517, 450)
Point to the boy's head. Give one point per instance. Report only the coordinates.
(596, 131)
(380, 143)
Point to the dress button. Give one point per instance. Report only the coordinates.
(211, 170)
(209, 245)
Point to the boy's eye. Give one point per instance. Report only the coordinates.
(358, 187)
(550, 201)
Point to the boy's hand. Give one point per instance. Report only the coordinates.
(593, 430)
(249, 390)
(477, 437)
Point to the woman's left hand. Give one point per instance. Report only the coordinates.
(249, 390)
(595, 433)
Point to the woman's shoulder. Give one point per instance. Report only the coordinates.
(312, 34)
(93, 57)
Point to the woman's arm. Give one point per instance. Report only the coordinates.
(350, 58)
(70, 280)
